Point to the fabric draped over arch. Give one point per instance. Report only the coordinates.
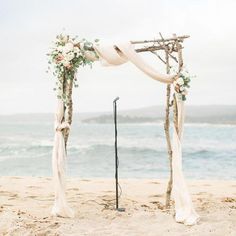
(114, 55)
(60, 207)
(123, 52)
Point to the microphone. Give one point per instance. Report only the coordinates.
(116, 99)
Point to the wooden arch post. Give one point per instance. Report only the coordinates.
(167, 132)
(175, 115)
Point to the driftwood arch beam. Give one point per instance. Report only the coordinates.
(115, 55)
(168, 45)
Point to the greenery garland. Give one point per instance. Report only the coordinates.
(69, 53)
(65, 57)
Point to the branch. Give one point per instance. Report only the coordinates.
(179, 38)
(180, 57)
(155, 53)
(167, 49)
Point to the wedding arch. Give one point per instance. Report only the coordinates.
(69, 53)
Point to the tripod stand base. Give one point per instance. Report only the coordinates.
(120, 209)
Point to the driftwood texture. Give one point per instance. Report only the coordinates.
(180, 65)
(169, 45)
(175, 122)
(68, 106)
(167, 133)
(158, 44)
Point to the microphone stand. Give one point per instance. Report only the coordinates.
(116, 156)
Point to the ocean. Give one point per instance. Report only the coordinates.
(26, 141)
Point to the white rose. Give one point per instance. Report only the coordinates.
(180, 81)
(76, 50)
(81, 45)
(76, 41)
(60, 48)
(65, 38)
(69, 56)
(181, 88)
(68, 48)
(66, 62)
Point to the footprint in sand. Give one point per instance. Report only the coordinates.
(159, 205)
(144, 205)
(228, 199)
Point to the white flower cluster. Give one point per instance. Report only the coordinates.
(67, 55)
(70, 53)
(181, 85)
(65, 52)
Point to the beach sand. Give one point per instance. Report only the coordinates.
(25, 204)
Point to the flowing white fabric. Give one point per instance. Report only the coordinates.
(120, 53)
(184, 210)
(60, 207)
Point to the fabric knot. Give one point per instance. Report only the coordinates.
(61, 126)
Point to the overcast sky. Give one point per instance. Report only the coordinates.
(29, 26)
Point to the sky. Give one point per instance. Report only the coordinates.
(28, 27)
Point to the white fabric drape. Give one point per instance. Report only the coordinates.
(120, 53)
(60, 207)
(184, 209)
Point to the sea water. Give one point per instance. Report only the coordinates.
(26, 142)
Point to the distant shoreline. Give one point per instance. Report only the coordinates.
(108, 119)
(210, 114)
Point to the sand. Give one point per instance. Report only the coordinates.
(25, 204)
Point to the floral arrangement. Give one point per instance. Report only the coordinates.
(182, 84)
(66, 56)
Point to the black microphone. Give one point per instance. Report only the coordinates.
(116, 99)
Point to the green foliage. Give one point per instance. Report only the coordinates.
(182, 84)
(66, 56)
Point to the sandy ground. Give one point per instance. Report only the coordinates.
(25, 205)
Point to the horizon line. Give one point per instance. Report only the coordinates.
(105, 111)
